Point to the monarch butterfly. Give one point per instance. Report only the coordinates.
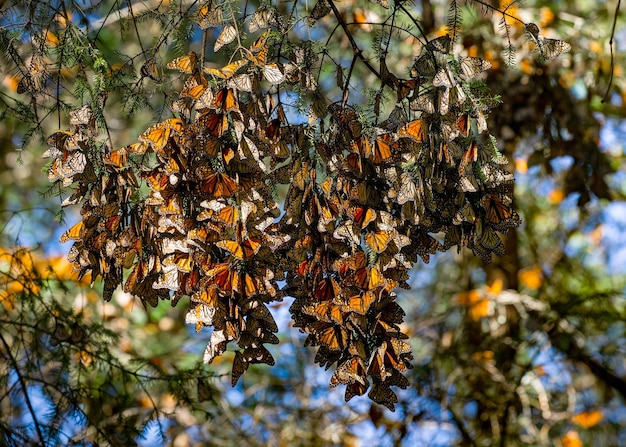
(157, 180)
(216, 124)
(168, 279)
(450, 97)
(552, 48)
(149, 69)
(349, 232)
(425, 66)
(325, 311)
(356, 389)
(321, 9)
(332, 337)
(65, 169)
(424, 245)
(228, 71)
(264, 17)
(228, 34)
(381, 150)
(441, 44)
(200, 315)
(548, 48)
(82, 117)
(116, 159)
(368, 278)
(327, 289)
(226, 100)
(159, 134)
(221, 276)
(469, 156)
(36, 76)
(423, 103)
(75, 233)
(185, 64)
(472, 66)
(495, 176)
(258, 354)
(259, 50)
(216, 346)
(139, 148)
(362, 216)
(210, 16)
(218, 184)
(240, 366)
(241, 82)
(273, 74)
(348, 372)
(58, 140)
(489, 239)
(396, 118)
(376, 366)
(194, 87)
(227, 214)
(244, 250)
(245, 284)
(405, 87)
(497, 212)
(464, 214)
(26, 84)
(361, 303)
(444, 78)
(415, 130)
(378, 240)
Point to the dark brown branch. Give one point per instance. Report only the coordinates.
(357, 51)
(20, 378)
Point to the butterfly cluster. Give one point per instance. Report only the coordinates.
(192, 208)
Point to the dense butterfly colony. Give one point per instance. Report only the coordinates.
(193, 207)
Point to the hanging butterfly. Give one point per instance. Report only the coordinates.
(228, 34)
(194, 87)
(498, 213)
(216, 124)
(226, 100)
(325, 311)
(259, 50)
(150, 69)
(218, 185)
(472, 66)
(273, 74)
(405, 87)
(210, 16)
(83, 117)
(441, 44)
(228, 71)
(423, 103)
(378, 240)
(241, 82)
(416, 130)
(244, 250)
(185, 64)
(159, 134)
(265, 17)
(321, 9)
(327, 289)
(424, 66)
(350, 371)
(381, 149)
(331, 336)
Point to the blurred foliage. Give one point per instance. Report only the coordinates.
(526, 350)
